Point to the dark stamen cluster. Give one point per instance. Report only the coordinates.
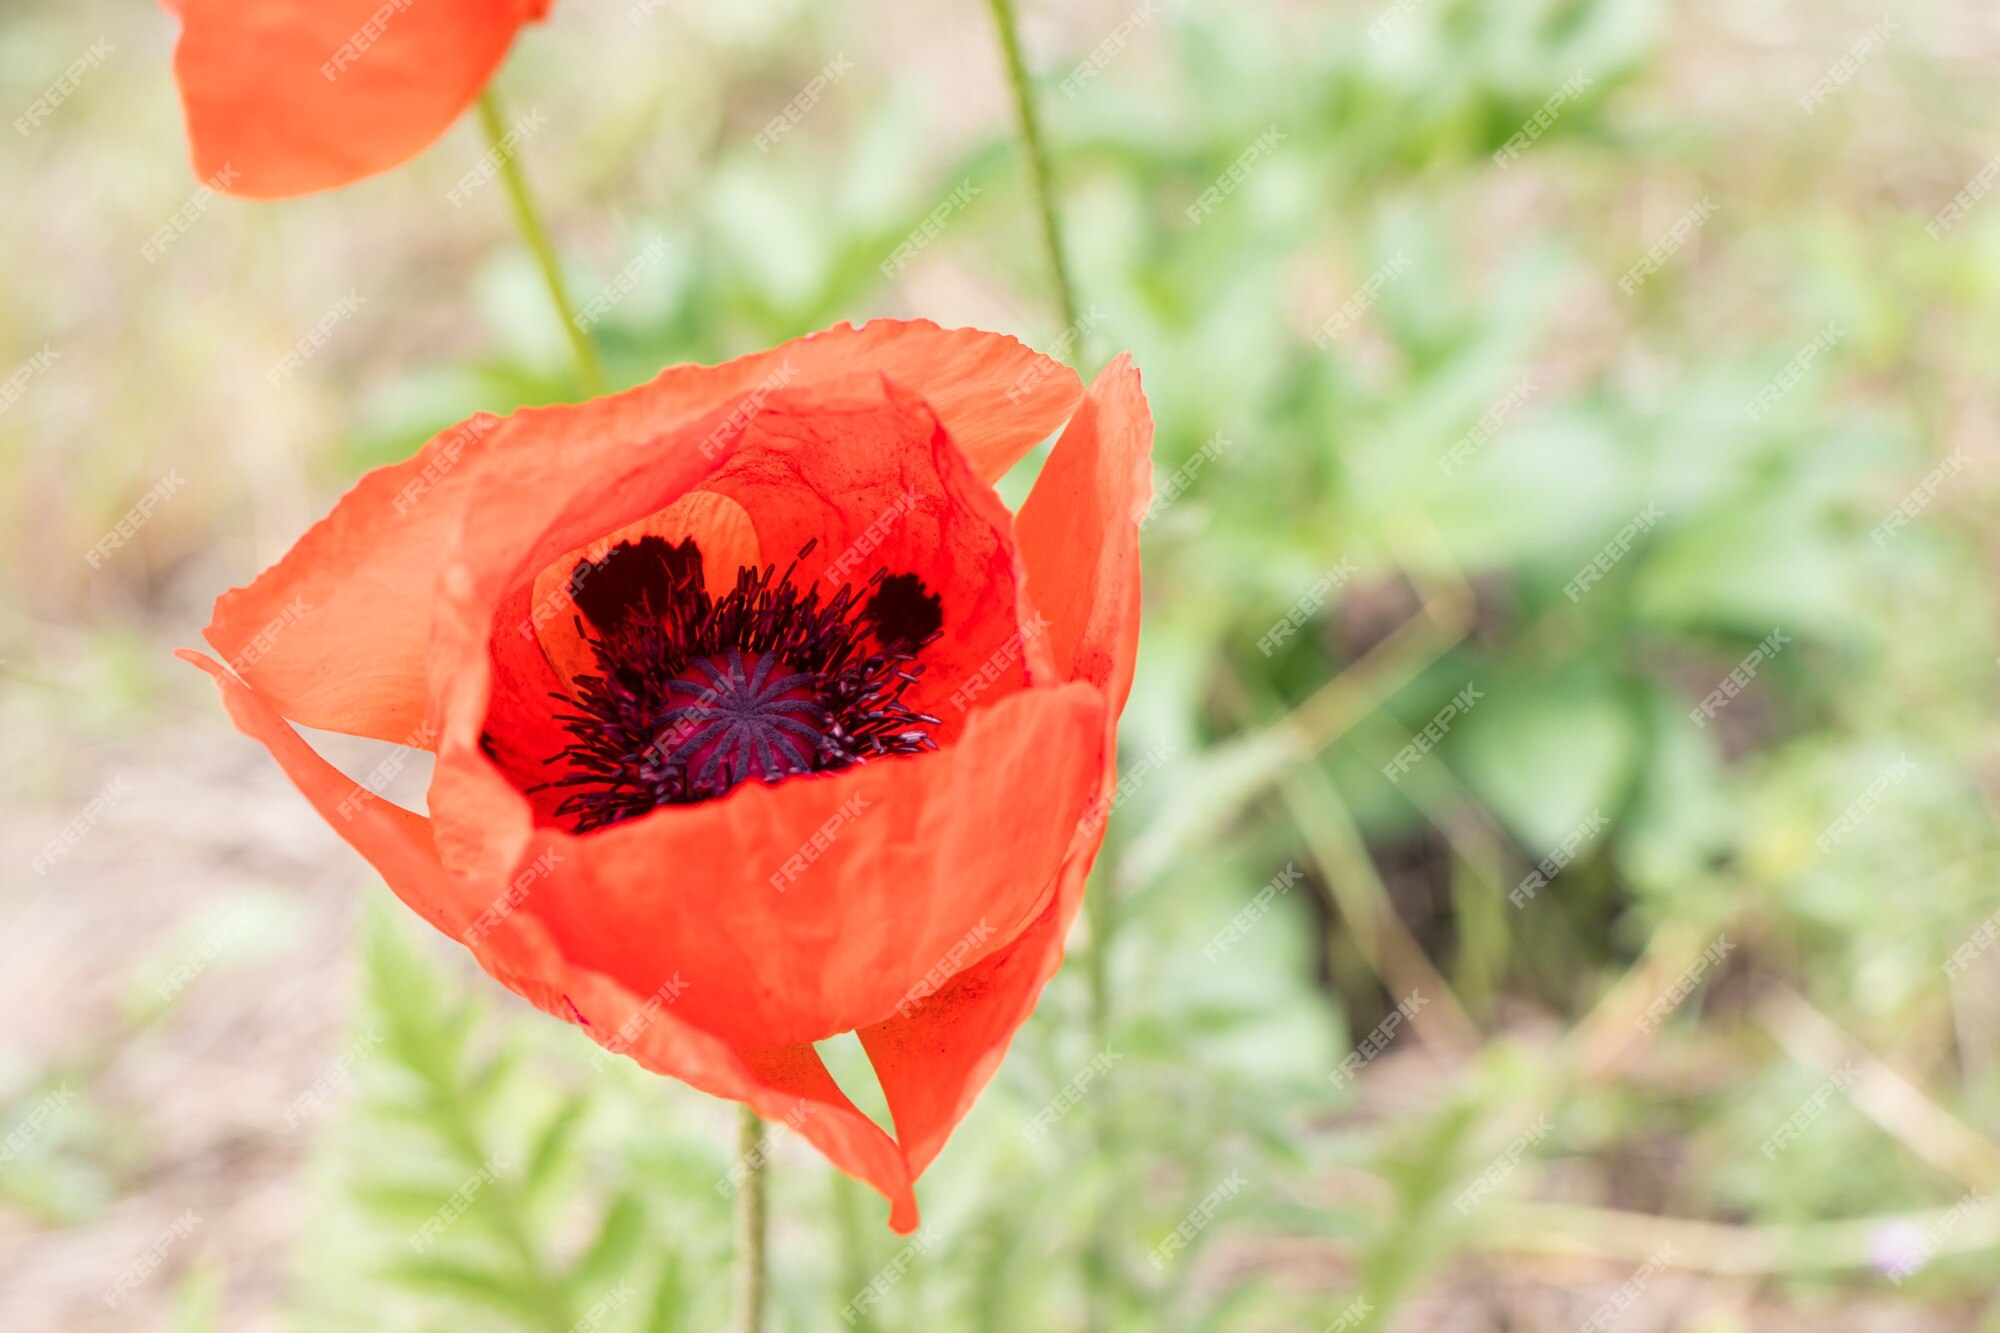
(695, 694)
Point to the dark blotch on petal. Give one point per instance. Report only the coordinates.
(904, 614)
(631, 576)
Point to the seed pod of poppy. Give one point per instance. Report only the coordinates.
(757, 717)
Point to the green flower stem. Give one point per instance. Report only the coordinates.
(1038, 158)
(752, 1215)
(1100, 1256)
(537, 237)
(854, 1264)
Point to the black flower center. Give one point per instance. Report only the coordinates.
(694, 694)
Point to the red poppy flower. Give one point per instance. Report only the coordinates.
(757, 717)
(286, 97)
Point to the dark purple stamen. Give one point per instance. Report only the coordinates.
(695, 694)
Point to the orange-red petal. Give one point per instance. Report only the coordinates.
(284, 97)
(365, 574)
(1079, 537)
(787, 1084)
(422, 569)
(818, 905)
(812, 906)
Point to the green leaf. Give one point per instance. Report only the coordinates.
(618, 1237)
(487, 1084)
(467, 1281)
(552, 1145)
(403, 1200)
(670, 1297)
(1546, 753)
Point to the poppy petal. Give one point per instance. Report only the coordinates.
(364, 574)
(856, 467)
(1078, 532)
(814, 906)
(284, 97)
(1079, 538)
(789, 1084)
(933, 1062)
(397, 842)
(811, 906)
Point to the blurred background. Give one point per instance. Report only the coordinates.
(1553, 872)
